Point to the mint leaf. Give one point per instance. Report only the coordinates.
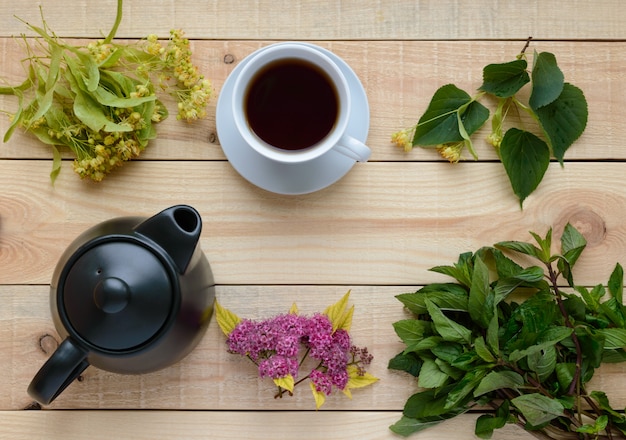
(479, 308)
(616, 283)
(506, 79)
(486, 424)
(525, 158)
(431, 375)
(498, 380)
(440, 123)
(547, 80)
(547, 338)
(564, 119)
(411, 331)
(449, 329)
(409, 362)
(407, 425)
(538, 409)
(572, 244)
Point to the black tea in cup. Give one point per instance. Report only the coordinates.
(291, 104)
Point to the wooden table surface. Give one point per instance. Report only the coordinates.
(377, 231)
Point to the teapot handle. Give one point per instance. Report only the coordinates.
(65, 365)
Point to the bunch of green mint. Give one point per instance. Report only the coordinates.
(474, 344)
(559, 109)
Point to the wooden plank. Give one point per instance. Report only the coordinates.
(330, 20)
(383, 223)
(400, 79)
(212, 379)
(192, 425)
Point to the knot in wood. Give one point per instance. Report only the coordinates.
(229, 58)
(48, 343)
(588, 223)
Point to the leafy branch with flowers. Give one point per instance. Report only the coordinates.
(100, 100)
(281, 346)
(558, 108)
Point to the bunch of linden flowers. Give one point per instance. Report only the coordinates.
(100, 100)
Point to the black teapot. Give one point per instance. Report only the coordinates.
(130, 295)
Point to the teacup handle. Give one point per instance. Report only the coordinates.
(65, 365)
(353, 148)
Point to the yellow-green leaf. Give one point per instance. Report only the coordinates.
(226, 319)
(338, 315)
(359, 381)
(319, 396)
(286, 382)
(294, 309)
(56, 164)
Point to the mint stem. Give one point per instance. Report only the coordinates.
(579, 353)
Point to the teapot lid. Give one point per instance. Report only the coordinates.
(117, 294)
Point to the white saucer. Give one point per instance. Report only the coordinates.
(293, 178)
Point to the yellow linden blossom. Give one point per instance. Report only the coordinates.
(403, 139)
(494, 139)
(452, 151)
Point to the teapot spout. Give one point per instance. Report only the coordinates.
(176, 230)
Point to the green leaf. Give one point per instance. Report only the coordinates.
(445, 296)
(409, 362)
(486, 424)
(564, 120)
(547, 80)
(603, 402)
(543, 362)
(538, 409)
(521, 247)
(429, 405)
(506, 79)
(461, 271)
(545, 244)
(614, 311)
(464, 387)
(525, 158)
(479, 307)
(448, 351)
(449, 329)
(530, 276)
(440, 124)
(407, 426)
(411, 331)
(592, 345)
(565, 374)
(598, 426)
(548, 338)
(431, 375)
(616, 283)
(493, 340)
(56, 164)
(107, 98)
(482, 350)
(498, 380)
(613, 337)
(572, 244)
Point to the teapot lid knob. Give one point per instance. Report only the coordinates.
(116, 294)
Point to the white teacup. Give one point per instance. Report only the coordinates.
(291, 104)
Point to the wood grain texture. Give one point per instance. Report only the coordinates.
(376, 232)
(400, 79)
(227, 425)
(330, 19)
(384, 223)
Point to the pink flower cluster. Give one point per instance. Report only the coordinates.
(275, 344)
